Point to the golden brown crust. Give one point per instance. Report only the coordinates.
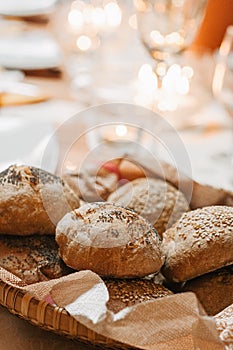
(32, 258)
(124, 293)
(214, 290)
(32, 201)
(154, 199)
(109, 240)
(200, 242)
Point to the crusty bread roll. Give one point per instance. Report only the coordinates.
(200, 242)
(92, 184)
(32, 258)
(130, 171)
(109, 240)
(154, 199)
(32, 201)
(214, 290)
(124, 293)
(224, 324)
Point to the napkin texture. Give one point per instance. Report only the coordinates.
(173, 322)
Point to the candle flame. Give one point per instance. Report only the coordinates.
(84, 42)
(121, 130)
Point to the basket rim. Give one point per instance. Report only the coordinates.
(50, 317)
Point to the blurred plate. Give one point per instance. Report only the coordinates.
(27, 142)
(25, 8)
(29, 50)
(17, 93)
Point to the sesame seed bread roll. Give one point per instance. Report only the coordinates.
(32, 258)
(125, 293)
(32, 201)
(154, 199)
(200, 242)
(109, 240)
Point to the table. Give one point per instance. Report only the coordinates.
(117, 84)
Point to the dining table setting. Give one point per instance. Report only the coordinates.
(96, 95)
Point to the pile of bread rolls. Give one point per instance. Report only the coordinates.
(143, 228)
(27, 245)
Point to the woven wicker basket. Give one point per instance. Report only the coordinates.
(50, 318)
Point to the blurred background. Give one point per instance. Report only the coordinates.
(58, 58)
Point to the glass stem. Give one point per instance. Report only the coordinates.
(161, 68)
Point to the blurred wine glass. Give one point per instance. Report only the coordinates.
(223, 74)
(222, 86)
(167, 28)
(81, 27)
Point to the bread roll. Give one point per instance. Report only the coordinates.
(32, 201)
(92, 184)
(109, 240)
(200, 242)
(154, 199)
(32, 258)
(124, 293)
(224, 324)
(214, 290)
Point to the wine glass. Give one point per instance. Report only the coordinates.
(223, 75)
(81, 28)
(222, 86)
(167, 28)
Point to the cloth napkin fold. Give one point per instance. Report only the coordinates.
(175, 322)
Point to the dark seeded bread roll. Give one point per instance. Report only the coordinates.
(32, 258)
(124, 293)
(200, 242)
(109, 240)
(32, 201)
(214, 290)
(154, 199)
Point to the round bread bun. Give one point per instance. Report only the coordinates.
(124, 293)
(154, 199)
(32, 258)
(224, 325)
(109, 240)
(91, 184)
(214, 290)
(200, 242)
(32, 201)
